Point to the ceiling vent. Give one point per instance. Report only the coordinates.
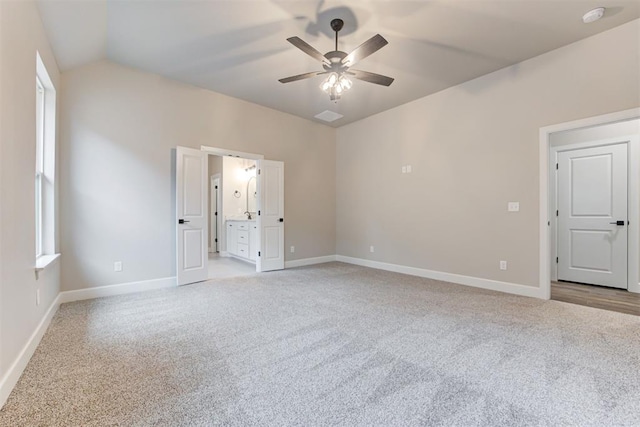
(329, 116)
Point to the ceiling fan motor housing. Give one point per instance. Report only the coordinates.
(335, 58)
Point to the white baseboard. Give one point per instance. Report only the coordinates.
(13, 374)
(119, 289)
(309, 261)
(494, 285)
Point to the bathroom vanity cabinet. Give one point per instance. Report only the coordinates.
(241, 239)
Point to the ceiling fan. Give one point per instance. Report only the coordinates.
(337, 64)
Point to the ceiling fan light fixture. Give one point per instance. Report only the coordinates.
(345, 82)
(335, 85)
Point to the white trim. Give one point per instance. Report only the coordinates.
(13, 374)
(230, 153)
(477, 282)
(544, 215)
(309, 261)
(43, 261)
(119, 289)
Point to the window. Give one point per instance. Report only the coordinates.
(45, 115)
(40, 98)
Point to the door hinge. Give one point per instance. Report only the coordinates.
(216, 213)
(216, 240)
(216, 187)
(258, 213)
(556, 260)
(258, 171)
(557, 212)
(556, 166)
(258, 253)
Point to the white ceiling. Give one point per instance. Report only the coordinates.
(239, 47)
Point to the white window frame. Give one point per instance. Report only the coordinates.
(40, 117)
(45, 169)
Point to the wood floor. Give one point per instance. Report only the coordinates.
(596, 296)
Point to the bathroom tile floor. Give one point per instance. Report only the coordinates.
(223, 267)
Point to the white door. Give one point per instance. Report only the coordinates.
(191, 211)
(270, 219)
(592, 215)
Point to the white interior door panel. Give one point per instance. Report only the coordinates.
(592, 215)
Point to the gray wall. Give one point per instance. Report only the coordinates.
(21, 35)
(594, 133)
(118, 129)
(473, 148)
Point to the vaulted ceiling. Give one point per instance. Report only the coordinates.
(239, 47)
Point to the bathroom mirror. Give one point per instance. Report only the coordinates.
(252, 195)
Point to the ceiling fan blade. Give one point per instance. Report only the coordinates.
(366, 76)
(308, 49)
(301, 76)
(372, 45)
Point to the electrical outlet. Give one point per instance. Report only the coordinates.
(37, 297)
(513, 206)
(371, 249)
(503, 265)
(117, 266)
(293, 249)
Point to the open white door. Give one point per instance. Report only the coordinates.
(191, 210)
(592, 215)
(270, 216)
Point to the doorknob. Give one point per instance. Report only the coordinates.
(182, 221)
(617, 222)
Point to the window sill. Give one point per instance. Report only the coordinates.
(44, 261)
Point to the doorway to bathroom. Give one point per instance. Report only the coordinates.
(234, 229)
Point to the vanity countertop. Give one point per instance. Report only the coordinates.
(241, 219)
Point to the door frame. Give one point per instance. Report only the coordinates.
(223, 152)
(216, 218)
(633, 160)
(545, 216)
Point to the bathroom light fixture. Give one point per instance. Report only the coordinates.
(593, 15)
(250, 168)
(335, 84)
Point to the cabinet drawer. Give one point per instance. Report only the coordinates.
(243, 226)
(243, 237)
(243, 250)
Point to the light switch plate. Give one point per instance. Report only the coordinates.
(404, 169)
(117, 266)
(513, 206)
(408, 168)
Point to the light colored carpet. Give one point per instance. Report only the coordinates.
(333, 344)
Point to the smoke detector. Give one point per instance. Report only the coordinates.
(593, 15)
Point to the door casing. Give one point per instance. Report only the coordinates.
(545, 216)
